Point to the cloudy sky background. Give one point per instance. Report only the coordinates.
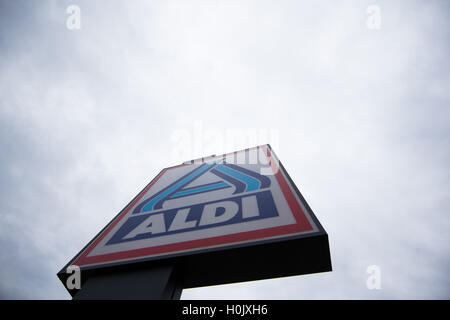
(359, 117)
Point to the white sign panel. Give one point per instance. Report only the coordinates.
(238, 198)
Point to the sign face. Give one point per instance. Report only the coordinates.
(239, 198)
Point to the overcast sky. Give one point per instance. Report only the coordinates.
(353, 96)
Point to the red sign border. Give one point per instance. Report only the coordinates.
(302, 225)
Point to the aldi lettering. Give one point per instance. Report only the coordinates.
(206, 215)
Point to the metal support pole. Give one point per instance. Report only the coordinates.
(156, 283)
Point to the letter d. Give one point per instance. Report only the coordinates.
(209, 212)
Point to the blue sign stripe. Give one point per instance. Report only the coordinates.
(179, 184)
(238, 185)
(265, 182)
(252, 183)
(218, 185)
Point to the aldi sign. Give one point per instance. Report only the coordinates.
(213, 208)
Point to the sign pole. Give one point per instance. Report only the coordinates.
(156, 283)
